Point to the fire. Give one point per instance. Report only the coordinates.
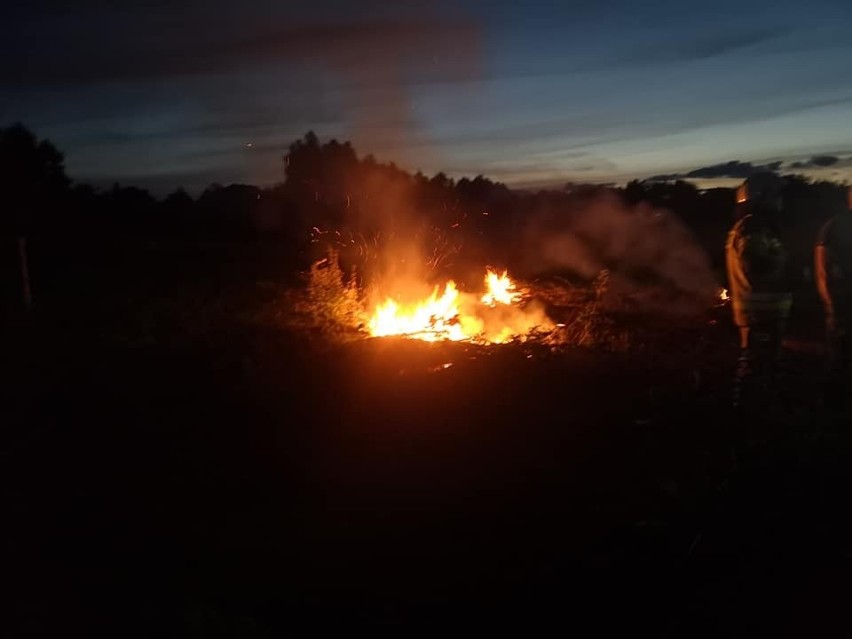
(501, 289)
(436, 318)
(724, 296)
(450, 314)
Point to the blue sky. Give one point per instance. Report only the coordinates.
(163, 94)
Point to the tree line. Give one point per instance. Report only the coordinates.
(329, 193)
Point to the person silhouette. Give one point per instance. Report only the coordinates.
(760, 294)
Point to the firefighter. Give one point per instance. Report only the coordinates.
(760, 295)
(833, 273)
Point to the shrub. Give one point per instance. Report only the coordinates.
(331, 302)
(591, 326)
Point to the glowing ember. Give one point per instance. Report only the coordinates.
(501, 289)
(723, 295)
(449, 314)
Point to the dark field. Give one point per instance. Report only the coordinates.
(177, 461)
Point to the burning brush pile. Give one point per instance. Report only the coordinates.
(500, 311)
(606, 282)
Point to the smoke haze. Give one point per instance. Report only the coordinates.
(644, 248)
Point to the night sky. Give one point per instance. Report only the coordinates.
(532, 94)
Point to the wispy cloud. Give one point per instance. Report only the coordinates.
(815, 161)
(732, 169)
(816, 166)
(697, 47)
(137, 52)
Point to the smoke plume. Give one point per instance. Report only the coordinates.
(650, 253)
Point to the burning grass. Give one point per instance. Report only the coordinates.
(553, 314)
(612, 312)
(500, 313)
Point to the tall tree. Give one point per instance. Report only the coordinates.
(32, 177)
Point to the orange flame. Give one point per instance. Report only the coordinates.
(501, 289)
(449, 314)
(433, 319)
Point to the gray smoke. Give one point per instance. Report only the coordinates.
(645, 249)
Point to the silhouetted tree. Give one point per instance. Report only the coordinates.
(352, 202)
(178, 200)
(807, 206)
(32, 178)
(177, 211)
(32, 181)
(228, 210)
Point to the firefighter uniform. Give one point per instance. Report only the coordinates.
(761, 299)
(833, 272)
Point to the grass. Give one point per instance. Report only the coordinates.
(328, 303)
(181, 454)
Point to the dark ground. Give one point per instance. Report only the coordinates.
(173, 465)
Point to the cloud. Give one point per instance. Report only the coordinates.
(732, 169)
(825, 160)
(220, 76)
(820, 161)
(221, 122)
(149, 50)
(699, 48)
(742, 170)
(584, 132)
